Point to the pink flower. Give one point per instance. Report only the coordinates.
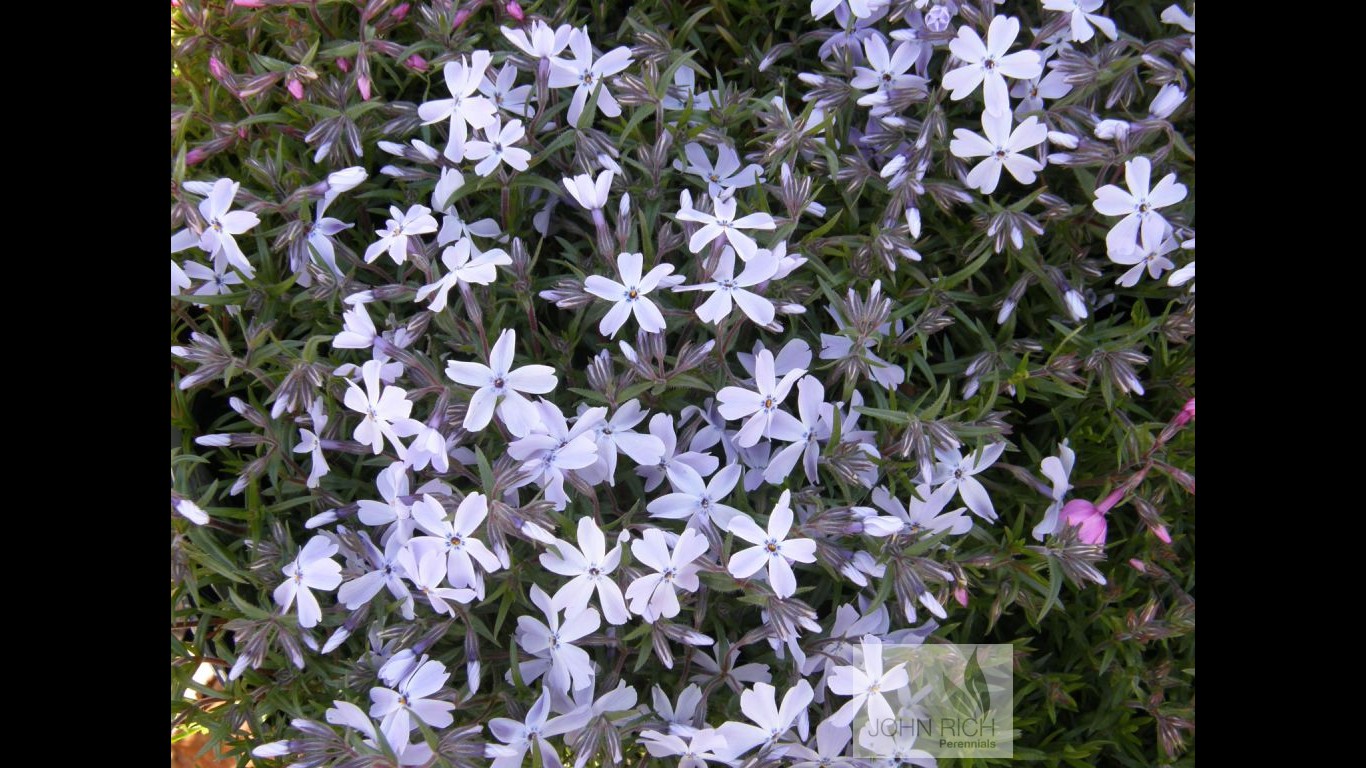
(514, 10)
(1089, 519)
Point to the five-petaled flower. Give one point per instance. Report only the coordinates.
(987, 64)
(499, 385)
(312, 569)
(628, 297)
(393, 239)
(385, 408)
(771, 548)
(762, 404)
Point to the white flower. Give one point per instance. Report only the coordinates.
(499, 147)
(499, 385)
(925, 513)
(566, 666)
(344, 180)
(725, 287)
(793, 355)
(385, 409)
(988, 65)
(455, 538)
(584, 74)
(1138, 206)
(348, 714)
(426, 568)
(1185, 274)
(358, 330)
(662, 427)
(310, 442)
(321, 232)
(723, 222)
(1083, 16)
(771, 548)
(831, 739)
(615, 435)
(1001, 148)
(763, 402)
(518, 737)
(725, 174)
(541, 41)
(702, 745)
(816, 417)
(887, 72)
(1059, 470)
(393, 239)
(680, 717)
(392, 484)
(771, 721)
(654, 596)
(388, 572)
(313, 568)
(590, 567)
(504, 92)
(1033, 91)
(628, 296)
(398, 708)
(1154, 259)
(221, 224)
(553, 448)
(1166, 101)
(179, 280)
(481, 269)
(592, 195)
(868, 686)
(692, 498)
(685, 85)
(955, 471)
(464, 109)
(217, 281)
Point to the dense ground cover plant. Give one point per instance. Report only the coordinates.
(571, 382)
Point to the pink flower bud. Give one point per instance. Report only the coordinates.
(1138, 565)
(344, 64)
(295, 88)
(1111, 500)
(363, 85)
(400, 11)
(216, 68)
(961, 595)
(1089, 519)
(1160, 531)
(195, 156)
(249, 3)
(461, 16)
(1187, 413)
(514, 10)
(417, 63)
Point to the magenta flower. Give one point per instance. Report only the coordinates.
(1089, 519)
